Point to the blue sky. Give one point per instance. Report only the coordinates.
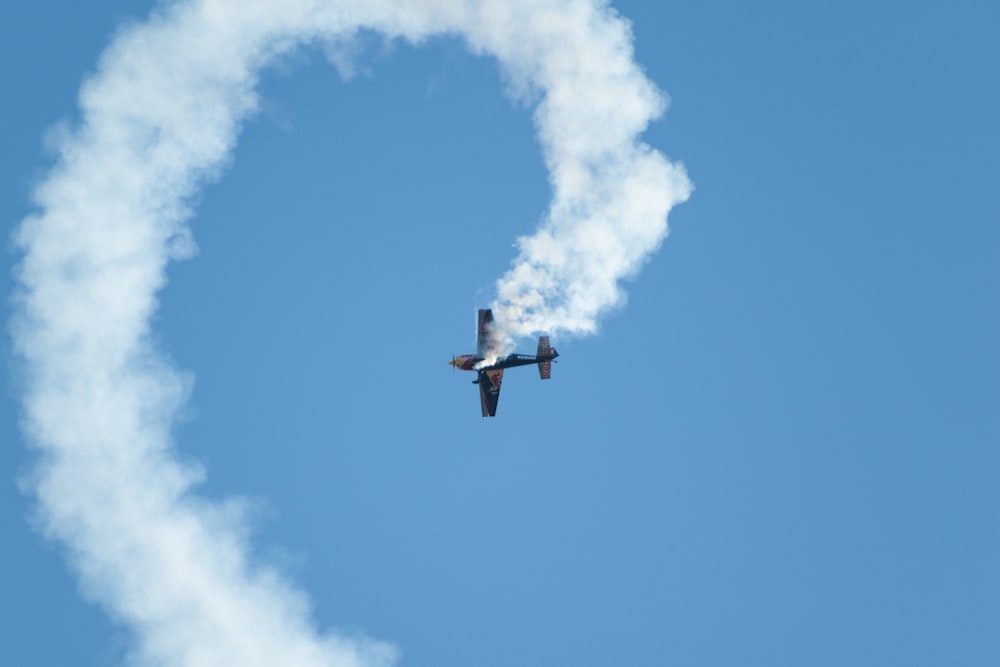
(781, 451)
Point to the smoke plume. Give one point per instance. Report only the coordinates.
(611, 192)
(159, 118)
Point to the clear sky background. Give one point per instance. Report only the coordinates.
(782, 451)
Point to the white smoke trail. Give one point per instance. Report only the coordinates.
(612, 193)
(158, 119)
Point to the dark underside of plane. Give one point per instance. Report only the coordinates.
(490, 376)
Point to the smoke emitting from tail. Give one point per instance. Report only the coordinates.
(158, 119)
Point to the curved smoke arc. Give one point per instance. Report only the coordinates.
(158, 119)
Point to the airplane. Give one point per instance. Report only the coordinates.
(490, 369)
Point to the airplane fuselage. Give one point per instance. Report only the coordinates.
(471, 362)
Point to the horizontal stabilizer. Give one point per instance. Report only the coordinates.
(544, 358)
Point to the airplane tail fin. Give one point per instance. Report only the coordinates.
(545, 356)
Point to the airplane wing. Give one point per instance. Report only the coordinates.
(484, 341)
(489, 390)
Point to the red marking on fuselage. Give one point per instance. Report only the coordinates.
(466, 362)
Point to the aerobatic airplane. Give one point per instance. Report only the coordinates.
(490, 368)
